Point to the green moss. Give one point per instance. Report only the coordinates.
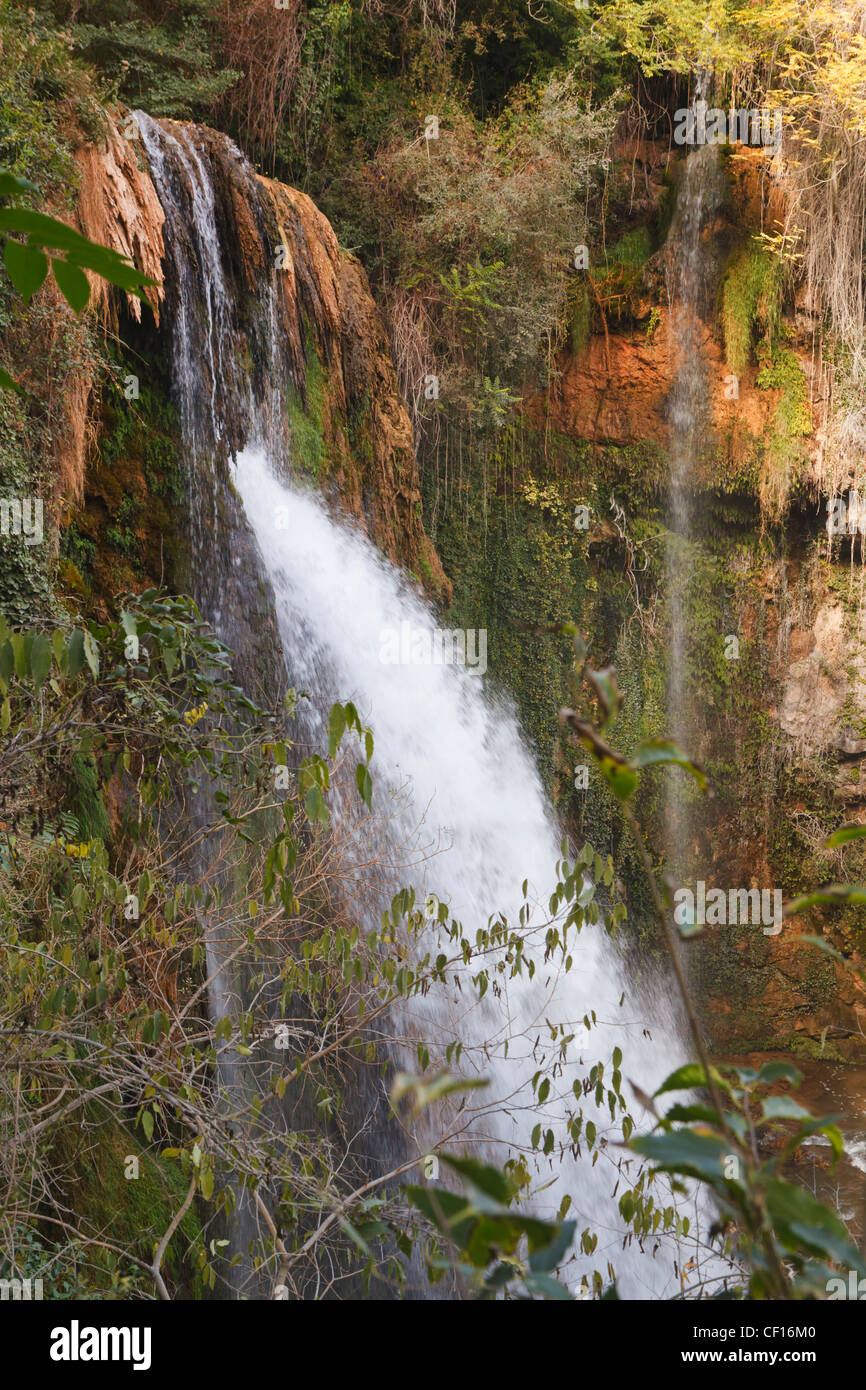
(307, 418)
(145, 428)
(578, 315)
(634, 248)
(132, 520)
(794, 1043)
(79, 551)
(519, 567)
(751, 296)
(44, 352)
(781, 371)
(92, 1161)
(784, 455)
(25, 570)
(618, 276)
(40, 86)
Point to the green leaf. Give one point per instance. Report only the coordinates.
(547, 1287)
(21, 644)
(426, 1091)
(834, 893)
(72, 283)
(685, 1151)
(146, 885)
(606, 688)
(169, 656)
(11, 184)
(621, 779)
(483, 1177)
(365, 784)
(449, 1211)
(655, 751)
(620, 775)
(27, 268)
(834, 1134)
(784, 1108)
(779, 1071)
(336, 728)
(686, 1114)
(8, 383)
(147, 1124)
(315, 806)
(41, 659)
(481, 1227)
(802, 1222)
(549, 1256)
(91, 653)
(687, 1077)
(40, 228)
(75, 652)
(111, 267)
(844, 835)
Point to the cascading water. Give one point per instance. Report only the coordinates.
(465, 810)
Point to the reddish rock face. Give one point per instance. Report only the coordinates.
(118, 207)
(615, 391)
(616, 388)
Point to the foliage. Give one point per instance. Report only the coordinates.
(483, 222)
(790, 1243)
(102, 983)
(162, 58)
(147, 704)
(675, 35)
(108, 755)
(488, 1233)
(42, 91)
(807, 62)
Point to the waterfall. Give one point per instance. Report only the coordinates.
(467, 809)
(692, 278)
(287, 583)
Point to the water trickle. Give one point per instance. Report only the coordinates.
(692, 280)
